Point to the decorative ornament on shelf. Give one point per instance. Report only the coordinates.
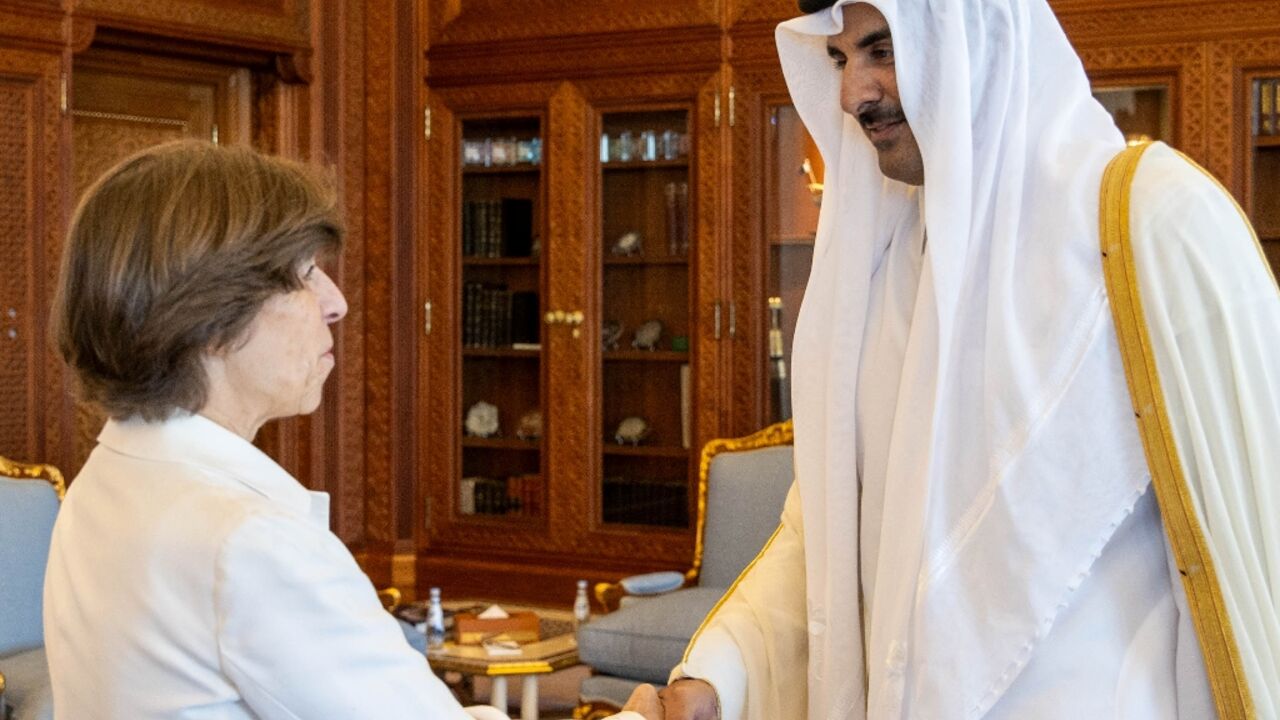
(610, 335)
(815, 187)
(482, 420)
(632, 430)
(628, 245)
(648, 335)
(530, 427)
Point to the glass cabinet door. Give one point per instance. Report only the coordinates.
(793, 190)
(646, 227)
(500, 248)
(1142, 112)
(1264, 164)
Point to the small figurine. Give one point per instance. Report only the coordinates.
(611, 334)
(632, 430)
(647, 336)
(627, 245)
(530, 427)
(482, 420)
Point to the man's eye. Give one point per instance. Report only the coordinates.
(882, 54)
(838, 63)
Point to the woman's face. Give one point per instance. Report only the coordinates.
(279, 369)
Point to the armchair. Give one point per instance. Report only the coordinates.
(742, 485)
(29, 500)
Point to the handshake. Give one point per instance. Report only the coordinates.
(684, 699)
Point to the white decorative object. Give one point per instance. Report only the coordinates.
(632, 430)
(647, 335)
(530, 427)
(482, 420)
(611, 334)
(629, 244)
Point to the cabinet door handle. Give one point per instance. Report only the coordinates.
(717, 108)
(716, 320)
(732, 105)
(733, 319)
(426, 318)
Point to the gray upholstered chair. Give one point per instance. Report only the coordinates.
(743, 483)
(29, 501)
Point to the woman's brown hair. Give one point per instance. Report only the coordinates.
(170, 255)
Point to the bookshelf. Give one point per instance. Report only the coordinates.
(501, 270)
(645, 239)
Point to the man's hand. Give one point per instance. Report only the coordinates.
(645, 701)
(684, 699)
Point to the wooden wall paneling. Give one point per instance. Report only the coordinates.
(32, 211)
(277, 25)
(1132, 22)
(486, 21)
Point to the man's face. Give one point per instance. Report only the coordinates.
(863, 53)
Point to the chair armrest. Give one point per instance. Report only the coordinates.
(390, 598)
(610, 595)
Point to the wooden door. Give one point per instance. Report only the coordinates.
(125, 102)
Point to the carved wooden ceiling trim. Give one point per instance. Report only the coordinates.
(575, 57)
(487, 21)
(270, 25)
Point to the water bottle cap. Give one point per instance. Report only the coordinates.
(435, 592)
(582, 584)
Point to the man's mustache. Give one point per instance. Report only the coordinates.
(881, 115)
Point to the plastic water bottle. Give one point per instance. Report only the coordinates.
(581, 605)
(435, 621)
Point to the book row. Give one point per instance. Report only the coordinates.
(495, 317)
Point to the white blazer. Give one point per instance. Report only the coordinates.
(192, 577)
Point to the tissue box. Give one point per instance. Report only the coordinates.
(472, 630)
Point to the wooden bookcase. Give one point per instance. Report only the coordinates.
(1264, 162)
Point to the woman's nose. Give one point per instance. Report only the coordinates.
(332, 302)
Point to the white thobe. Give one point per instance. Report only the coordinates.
(191, 577)
(1123, 646)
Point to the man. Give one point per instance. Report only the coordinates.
(973, 532)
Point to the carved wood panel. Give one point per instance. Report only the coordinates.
(19, 349)
(31, 207)
(270, 24)
(470, 21)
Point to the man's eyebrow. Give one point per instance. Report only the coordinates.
(872, 38)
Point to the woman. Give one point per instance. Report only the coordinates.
(190, 576)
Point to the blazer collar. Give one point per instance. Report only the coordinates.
(197, 440)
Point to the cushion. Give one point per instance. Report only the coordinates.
(28, 690)
(646, 639)
(654, 583)
(27, 511)
(607, 689)
(745, 493)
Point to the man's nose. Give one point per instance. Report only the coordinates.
(858, 90)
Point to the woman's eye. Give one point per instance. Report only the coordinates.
(311, 269)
